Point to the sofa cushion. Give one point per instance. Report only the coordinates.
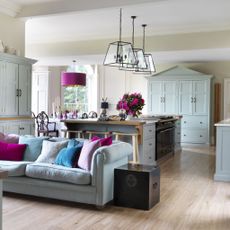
(67, 156)
(58, 173)
(33, 146)
(9, 138)
(11, 152)
(14, 168)
(50, 150)
(103, 141)
(89, 147)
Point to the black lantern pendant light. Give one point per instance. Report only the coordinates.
(120, 53)
(150, 68)
(139, 54)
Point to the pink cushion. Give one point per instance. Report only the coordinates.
(11, 152)
(9, 138)
(86, 155)
(103, 141)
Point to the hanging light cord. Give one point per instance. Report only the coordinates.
(133, 17)
(144, 25)
(120, 24)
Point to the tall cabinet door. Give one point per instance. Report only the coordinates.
(24, 90)
(11, 100)
(185, 97)
(200, 106)
(156, 98)
(169, 97)
(2, 87)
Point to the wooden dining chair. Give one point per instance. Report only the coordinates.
(44, 126)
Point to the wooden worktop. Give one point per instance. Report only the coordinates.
(15, 118)
(95, 121)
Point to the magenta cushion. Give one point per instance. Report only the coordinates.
(103, 141)
(11, 152)
(9, 138)
(86, 155)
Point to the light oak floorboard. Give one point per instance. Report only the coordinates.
(190, 199)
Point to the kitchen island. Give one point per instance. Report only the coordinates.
(145, 129)
(222, 172)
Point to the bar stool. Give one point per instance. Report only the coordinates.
(80, 133)
(134, 143)
(94, 132)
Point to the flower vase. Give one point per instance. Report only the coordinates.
(129, 117)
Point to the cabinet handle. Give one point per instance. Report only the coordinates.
(150, 158)
(21, 128)
(150, 130)
(194, 100)
(184, 135)
(164, 99)
(185, 122)
(150, 144)
(201, 136)
(191, 99)
(161, 99)
(17, 92)
(20, 92)
(201, 122)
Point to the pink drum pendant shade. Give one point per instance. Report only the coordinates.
(73, 79)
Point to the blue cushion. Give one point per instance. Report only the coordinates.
(33, 148)
(68, 156)
(72, 143)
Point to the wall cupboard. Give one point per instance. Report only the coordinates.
(181, 91)
(15, 93)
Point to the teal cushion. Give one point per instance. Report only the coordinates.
(72, 143)
(33, 147)
(67, 156)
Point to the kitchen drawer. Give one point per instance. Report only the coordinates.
(148, 151)
(148, 131)
(196, 136)
(194, 122)
(178, 123)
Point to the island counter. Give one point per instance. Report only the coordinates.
(222, 172)
(145, 129)
(107, 126)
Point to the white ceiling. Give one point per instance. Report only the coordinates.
(50, 21)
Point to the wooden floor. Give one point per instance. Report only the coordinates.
(190, 199)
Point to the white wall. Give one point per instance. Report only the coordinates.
(114, 83)
(12, 33)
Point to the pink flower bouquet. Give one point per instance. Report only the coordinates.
(132, 104)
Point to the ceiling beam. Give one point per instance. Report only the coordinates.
(60, 7)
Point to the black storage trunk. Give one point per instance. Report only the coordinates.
(137, 186)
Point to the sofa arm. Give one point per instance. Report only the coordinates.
(105, 159)
(115, 152)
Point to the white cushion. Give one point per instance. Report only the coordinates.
(58, 173)
(50, 150)
(14, 168)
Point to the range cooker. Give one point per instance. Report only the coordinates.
(165, 135)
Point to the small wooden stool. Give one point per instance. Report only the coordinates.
(134, 143)
(94, 132)
(80, 133)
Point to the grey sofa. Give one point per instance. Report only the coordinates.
(48, 180)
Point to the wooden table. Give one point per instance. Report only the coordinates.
(3, 174)
(106, 126)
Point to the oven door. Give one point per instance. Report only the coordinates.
(164, 142)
